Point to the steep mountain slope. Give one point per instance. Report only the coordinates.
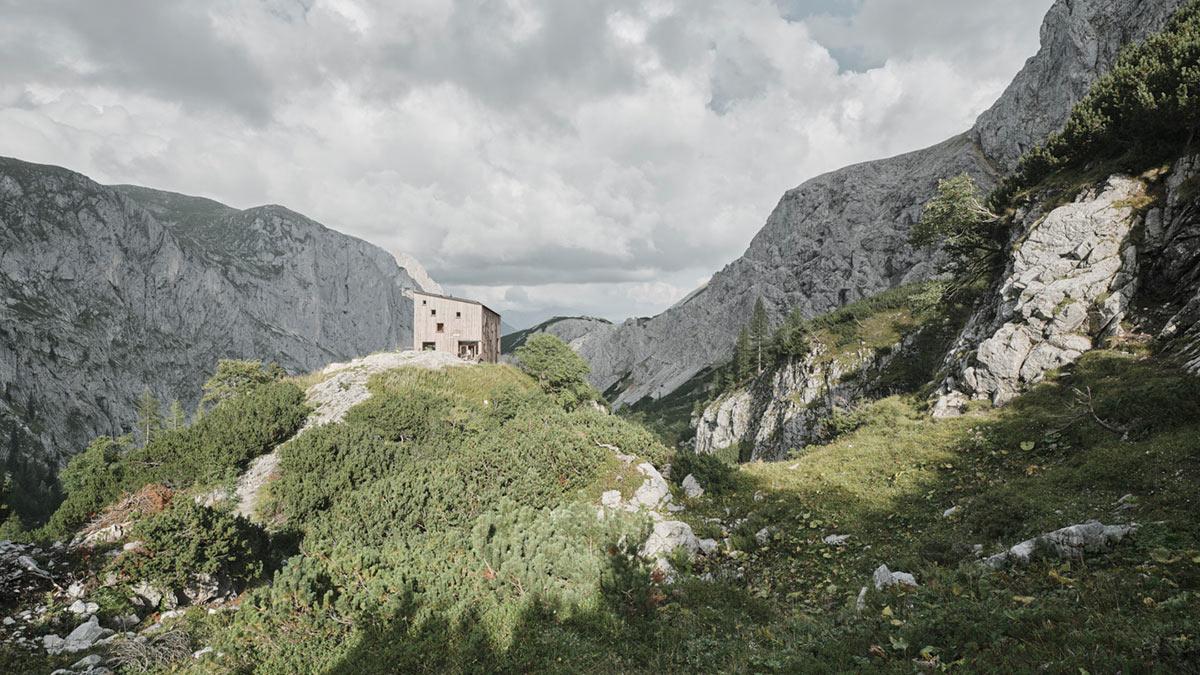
(107, 290)
(566, 328)
(843, 236)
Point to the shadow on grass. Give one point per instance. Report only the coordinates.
(787, 604)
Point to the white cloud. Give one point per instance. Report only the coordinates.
(594, 156)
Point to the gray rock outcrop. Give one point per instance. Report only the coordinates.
(691, 487)
(885, 578)
(1079, 40)
(667, 536)
(1068, 543)
(791, 405)
(843, 236)
(105, 290)
(1067, 286)
(1172, 242)
(83, 637)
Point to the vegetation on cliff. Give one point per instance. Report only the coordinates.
(1141, 114)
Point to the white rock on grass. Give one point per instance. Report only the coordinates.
(836, 539)
(89, 661)
(691, 487)
(952, 511)
(85, 635)
(1068, 543)
(611, 499)
(79, 607)
(885, 578)
(667, 536)
(53, 644)
(653, 492)
(763, 536)
(200, 653)
(708, 546)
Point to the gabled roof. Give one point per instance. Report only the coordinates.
(427, 294)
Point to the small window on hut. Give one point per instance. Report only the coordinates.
(441, 328)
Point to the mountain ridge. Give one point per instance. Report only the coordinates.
(842, 236)
(112, 289)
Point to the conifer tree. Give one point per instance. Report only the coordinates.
(149, 412)
(743, 356)
(760, 335)
(176, 419)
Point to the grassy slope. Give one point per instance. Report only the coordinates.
(500, 565)
(787, 606)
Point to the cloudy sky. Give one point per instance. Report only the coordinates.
(545, 156)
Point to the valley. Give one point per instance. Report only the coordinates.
(942, 416)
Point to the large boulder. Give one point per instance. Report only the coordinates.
(1069, 543)
(667, 536)
(654, 492)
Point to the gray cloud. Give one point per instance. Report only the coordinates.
(167, 49)
(959, 32)
(599, 156)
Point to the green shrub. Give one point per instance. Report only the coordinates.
(714, 475)
(973, 238)
(301, 600)
(235, 377)
(329, 462)
(92, 479)
(558, 370)
(241, 427)
(1146, 109)
(188, 539)
(237, 430)
(400, 417)
(536, 459)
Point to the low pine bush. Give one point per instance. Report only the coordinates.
(1146, 109)
(187, 540)
(245, 424)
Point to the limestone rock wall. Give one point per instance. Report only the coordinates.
(1171, 269)
(1070, 281)
(106, 290)
(791, 405)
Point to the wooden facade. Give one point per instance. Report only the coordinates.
(464, 328)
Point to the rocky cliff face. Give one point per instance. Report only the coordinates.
(1124, 254)
(1171, 270)
(1076, 275)
(843, 236)
(791, 405)
(106, 290)
(1067, 287)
